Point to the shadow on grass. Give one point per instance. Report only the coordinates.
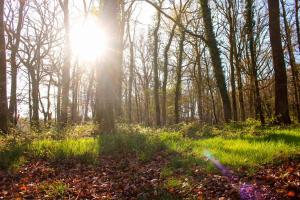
(277, 137)
(12, 156)
(143, 147)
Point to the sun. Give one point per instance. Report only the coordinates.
(88, 41)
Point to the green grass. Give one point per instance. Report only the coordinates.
(55, 189)
(238, 149)
(234, 145)
(173, 182)
(84, 150)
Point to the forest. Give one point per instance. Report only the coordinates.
(150, 99)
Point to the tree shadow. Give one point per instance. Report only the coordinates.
(277, 137)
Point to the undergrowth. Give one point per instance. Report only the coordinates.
(235, 145)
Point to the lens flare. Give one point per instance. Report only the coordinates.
(247, 191)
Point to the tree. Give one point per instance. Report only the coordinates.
(16, 37)
(155, 67)
(232, 40)
(251, 47)
(281, 94)
(295, 75)
(178, 91)
(66, 66)
(215, 58)
(165, 79)
(131, 69)
(107, 80)
(3, 94)
(297, 7)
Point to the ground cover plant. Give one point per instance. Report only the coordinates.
(235, 161)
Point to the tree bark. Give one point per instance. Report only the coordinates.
(58, 101)
(131, 69)
(295, 77)
(107, 80)
(216, 59)
(88, 95)
(232, 42)
(199, 82)
(155, 68)
(165, 80)
(14, 68)
(75, 88)
(35, 99)
(239, 83)
(177, 101)
(281, 94)
(210, 90)
(297, 7)
(66, 65)
(3, 89)
(257, 97)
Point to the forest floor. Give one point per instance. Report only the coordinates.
(236, 161)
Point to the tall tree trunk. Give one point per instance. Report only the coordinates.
(147, 103)
(165, 80)
(58, 101)
(295, 77)
(3, 89)
(131, 69)
(249, 25)
(66, 65)
(239, 83)
(75, 88)
(29, 97)
(122, 15)
(44, 112)
(88, 95)
(177, 105)
(236, 54)
(281, 94)
(199, 82)
(14, 68)
(107, 81)
(215, 58)
(211, 92)
(231, 21)
(232, 77)
(297, 7)
(35, 99)
(137, 102)
(48, 98)
(155, 68)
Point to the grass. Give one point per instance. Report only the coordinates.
(84, 150)
(234, 145)
(55, 189)
(238, 149)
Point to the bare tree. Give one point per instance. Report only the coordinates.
(66, 66)
(3, 94)
(216, 58)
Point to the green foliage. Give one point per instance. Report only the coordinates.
(190, 130)
(56, 189)
(85, 150)
(173, 182)
(144, 146)
(11, 156)
(235, 145)
(166, 172)
(235, 148)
